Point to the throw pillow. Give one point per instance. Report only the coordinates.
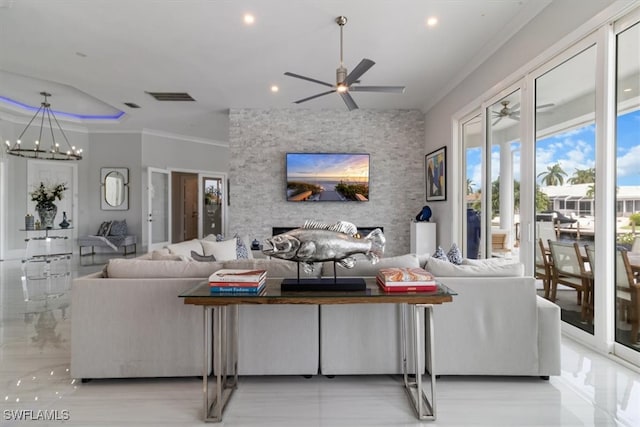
(455, 255)
(197, 257)
(222, 251)
(104, 229)
(242, 248)
(242, 252)
(439, 254)
(118, 228)
(185, 248)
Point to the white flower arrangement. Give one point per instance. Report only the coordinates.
(47, 194)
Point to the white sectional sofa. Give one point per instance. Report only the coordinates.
(132, 324)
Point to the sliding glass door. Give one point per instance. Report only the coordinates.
(565, 157)
(627, 228)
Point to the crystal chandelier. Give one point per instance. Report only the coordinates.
(37, 151)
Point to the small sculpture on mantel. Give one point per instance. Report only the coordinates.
(319, 242)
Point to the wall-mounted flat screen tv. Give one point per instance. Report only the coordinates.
(335, 177)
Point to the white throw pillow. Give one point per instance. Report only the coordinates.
(185, 248)
(222, 251)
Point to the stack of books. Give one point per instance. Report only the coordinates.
(399, 279)
(236, 280)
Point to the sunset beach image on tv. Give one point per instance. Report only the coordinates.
(337, 177)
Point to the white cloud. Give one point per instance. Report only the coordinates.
(627, 164)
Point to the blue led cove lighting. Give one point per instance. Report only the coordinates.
(62, 113)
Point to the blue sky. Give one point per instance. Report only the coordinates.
(574, 149)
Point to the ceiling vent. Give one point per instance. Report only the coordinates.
(131, 105)
(171, 96)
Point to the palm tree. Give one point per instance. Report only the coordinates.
(469, 186)
(583, 176)
(554, 175)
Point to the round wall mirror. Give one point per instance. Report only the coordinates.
(114, 188)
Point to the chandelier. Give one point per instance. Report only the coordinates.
(37, 151)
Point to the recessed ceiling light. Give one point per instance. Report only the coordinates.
(432, 21)
(249, 19)
(274, 88)
(627, 89)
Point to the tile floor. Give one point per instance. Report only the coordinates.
(34, 362)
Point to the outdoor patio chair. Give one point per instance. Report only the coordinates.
(627, 293)
(569, 270)
(543, 267)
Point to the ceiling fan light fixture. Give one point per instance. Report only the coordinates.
(342, 88)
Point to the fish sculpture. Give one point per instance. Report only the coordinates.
(317, 242)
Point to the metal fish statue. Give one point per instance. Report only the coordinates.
(318, 242)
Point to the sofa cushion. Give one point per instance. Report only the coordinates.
(478, 268)
(364, 267)
(140, 268)
(185, 248)
(222, 251)
(274, 267)
(165, 256)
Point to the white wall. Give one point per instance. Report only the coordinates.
(556, 21)
(134, 151)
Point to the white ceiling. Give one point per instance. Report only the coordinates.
(92, 53)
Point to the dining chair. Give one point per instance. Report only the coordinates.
(568, 268)
(543, 267)
(627, 293)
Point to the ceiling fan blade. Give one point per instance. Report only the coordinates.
(298, 76)
(360, 69)
(497, 120)
(515, 107)
(351, 104)
(313, 97)
(387, 89)
(545, 105)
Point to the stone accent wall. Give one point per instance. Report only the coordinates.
(259, 140)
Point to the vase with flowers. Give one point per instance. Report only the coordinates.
(44, 196)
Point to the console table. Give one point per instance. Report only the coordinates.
(222, 308)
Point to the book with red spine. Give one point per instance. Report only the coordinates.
(401, 287)
(239, 284)
(405, 276)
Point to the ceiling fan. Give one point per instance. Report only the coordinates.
(513, 112)
(346, 83)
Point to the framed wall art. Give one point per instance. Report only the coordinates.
(435, 167)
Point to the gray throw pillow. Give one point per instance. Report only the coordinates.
(204, 258)
(118, 228)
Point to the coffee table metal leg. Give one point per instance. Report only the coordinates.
(424, 407)
(217, 341)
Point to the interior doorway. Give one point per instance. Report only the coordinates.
(184, 216)
(198, 205)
